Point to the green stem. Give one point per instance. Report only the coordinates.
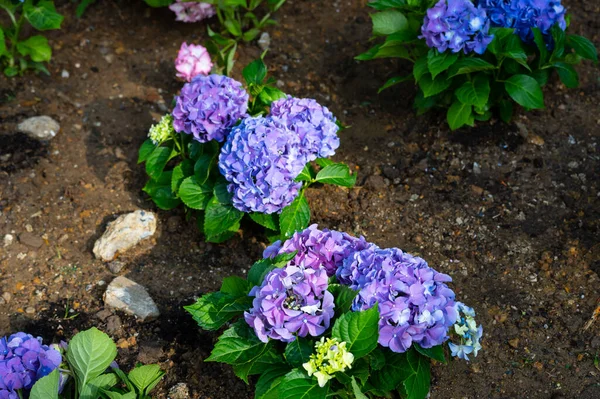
(15, 37)
(20, 394)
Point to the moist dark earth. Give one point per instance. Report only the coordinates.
(510, 211)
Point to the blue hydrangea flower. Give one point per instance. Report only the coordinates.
(261, 158)
(456, 25)
(209, 106)
(468, 332)
(523, 15)
(23, 361)
(313, 123)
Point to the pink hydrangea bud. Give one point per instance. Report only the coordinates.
(191, 11)
(192, 60)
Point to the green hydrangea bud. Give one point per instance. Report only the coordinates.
(162, 131)
(330, 357)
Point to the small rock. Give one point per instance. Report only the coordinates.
(477, 190)
(113, 325)
(124, 233)
(522, 129)
(476, 168)
(8, 240)
(131, 298)
(514, 343)
(174, 224)
(150, 352)
(116, 266)
(5, 157)
(103, 314)
(31, 240)
(39, 127)
(30, 310)
(65, 74)
(390, 172)
(265, 41)
(536, 140)
(521, 216)
(7, 297)
(179, 391)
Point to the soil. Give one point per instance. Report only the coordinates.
(511, 212)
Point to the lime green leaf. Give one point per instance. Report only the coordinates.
(525, 90)
(307, 174)
(98, 384)
(357, 391)
(145, 378)
(46, 387)
(338, 174)
(259, 270)
(388, 22)
(294, 217)
(36, 47)
(360, 331)
(212, 311)
(43, 15)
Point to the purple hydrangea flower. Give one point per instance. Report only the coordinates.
(313, 123)
(8, 394)
(23, 361)
(209, 106)
(523, 15)
(456, 25)
(316, 248)
(292, 301)
(190, 11)
(415, 304)
(261, 158)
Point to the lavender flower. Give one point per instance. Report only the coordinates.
(23, 361)
(261, 159)
(523, 15)
(291, 302)
(209, 106)
(456, 25)
(316, 248)
(313, 123)
(191, 11)
(8, 394)
(415, 304)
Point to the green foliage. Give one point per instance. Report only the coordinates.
(463, 84)
(18, 54)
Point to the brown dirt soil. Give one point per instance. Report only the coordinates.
(513, 219)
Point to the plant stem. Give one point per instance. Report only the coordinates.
(15, 37)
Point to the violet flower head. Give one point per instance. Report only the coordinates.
(209, 106)
(260, 159)
(23, 361)
(523, 15)
(8, 394)
(192, 60)
(456, 25)
(415, 304)
(313, 123)
(291, 302)
(326, 248)
(191, 11)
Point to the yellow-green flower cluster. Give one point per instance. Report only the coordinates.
(330, 357)
(162, 131)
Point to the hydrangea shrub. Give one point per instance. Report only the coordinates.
(477, 57)
(325, 314)
(227, 152)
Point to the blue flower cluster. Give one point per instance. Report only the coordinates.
(23, 361)
(468, 332)
(456, 25)
(523, 15)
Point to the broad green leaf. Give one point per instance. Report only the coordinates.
(235, 286)
(92, 389)
(89, 355)
(46, 387)
(538, 38)
(388, 22)
(505, 108)
(117, 395)
(568, 75)
(401, 37)
(501, 36)
(145, 378)
(360, 331)
(559, 37)
(583, 47)
(436, 352)
(156, 161)
(432, 87)
(159, 3)
(440, 62)
(195, 195)
(83, 6)
(323, 162)
(398, 50)
(255, 72)
(42, 16)
(338, 174)
(145, 150)
(298, 351)
(212, 311)
(250, 34)
(459, 114)
(377, 359)
(420, 68)
(298, 385)
(221, 192)
(357, 391)
(525, 90)
(161, 193)
(203, 166)
(259, 270)
(369, 54)
(268, 380)
(475, 92)
(270, 94)
(418, 382)
(36, 47)
(270, 221)
(385, 4)
(469, 65)
(541, 76)
(220, 218)
(394, 81)
(307, 174)
(294, 217)
(180, 172)
(343, 297)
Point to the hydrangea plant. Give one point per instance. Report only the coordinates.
(474, 57)
(325, 314)
(229, 151)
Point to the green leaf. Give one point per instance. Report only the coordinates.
(298, 385)
(221, 192)
(89, 355)
(117, 395)
(270, 94)
(255, 72)
(156, 161)
(259, 270)
(525, 90)
(459, 114)
(3, 50)
(82, 7)
(388, 22)
(46, 387)
(307, 174)
(220, 218)
(475, 92)
(559, 37)
(506, 110)
(43, 15)
(469, 65)
(436, 352)
(432, 87)
(583, 47)
(369, 54)
(268, 380)
(212, 311)
(96, 385)
(203, 166)
(233, 27)
(440, 62)
(541, 76)
(356, 390)
(538, 38)
(159, 3)
(270, 221)
(323, 162)
(568, 75)
(145, 378)
(145, 150)
(36, 47)
(298, 351)
(394, 81)
(338, 174)
(420, 68)
(161, 193)
(195, 195)
(376, 359)
(343, 297)
(235, 286)
(360, 331)
(418, 382)
(294, 217)
(180, 172)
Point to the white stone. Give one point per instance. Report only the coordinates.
(8, 239)
(39, 127)
(124, 233)
(130, 297)
(265, 41)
